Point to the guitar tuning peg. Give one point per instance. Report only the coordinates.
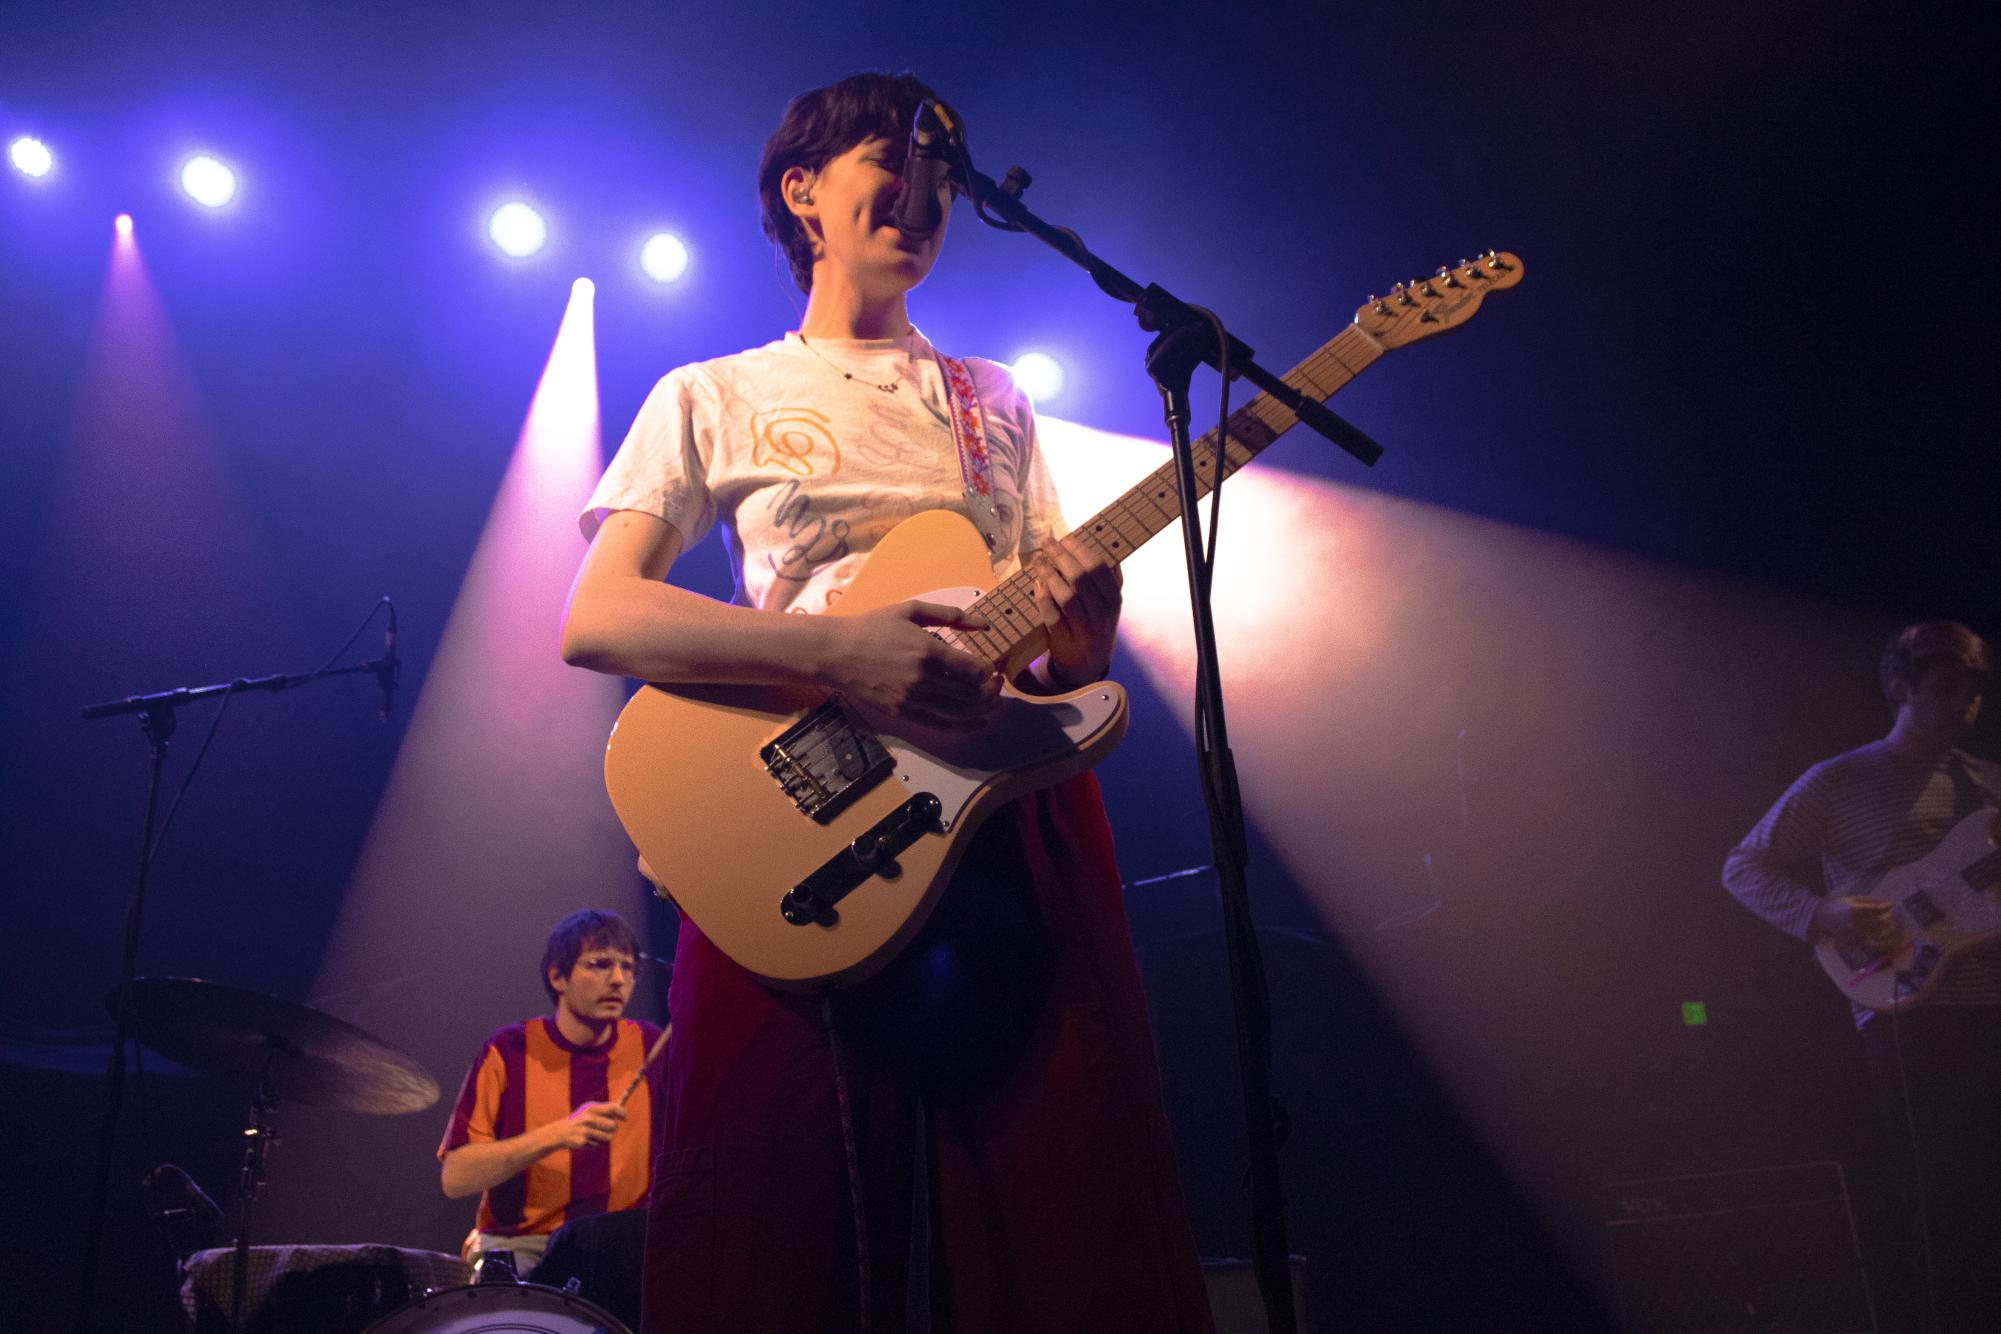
(1451, 279)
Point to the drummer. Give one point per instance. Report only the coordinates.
(538, 1131)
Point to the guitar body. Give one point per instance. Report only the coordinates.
(691, 781)
(1945, 903)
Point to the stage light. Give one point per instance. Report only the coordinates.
(1039, 375)
(123, 223)
(664, 257)
(517, 229)
(207, 181)
(31, 157)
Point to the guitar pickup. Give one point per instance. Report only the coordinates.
(1922, 908)
(811, 901)
(826, 760)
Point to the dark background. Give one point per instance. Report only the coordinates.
(1638, 537)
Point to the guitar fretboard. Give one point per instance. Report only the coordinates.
(1129, 522)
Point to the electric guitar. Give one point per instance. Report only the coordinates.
(1943, 904)
(808, 835)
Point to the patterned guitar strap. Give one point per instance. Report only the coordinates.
(969, 433)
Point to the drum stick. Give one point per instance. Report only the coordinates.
(652, 1053)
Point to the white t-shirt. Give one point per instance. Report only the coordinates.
(806, 470)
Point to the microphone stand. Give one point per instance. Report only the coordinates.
(1186, 338)
(157, 719)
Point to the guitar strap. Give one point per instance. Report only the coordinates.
(1971, 793)
(969, 434)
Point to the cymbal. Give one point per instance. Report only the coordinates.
(303, 1054)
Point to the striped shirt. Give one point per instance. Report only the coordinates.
(529, 1074)
(1853, 817)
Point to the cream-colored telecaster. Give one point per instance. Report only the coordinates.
(1945, 903)
(809, 837)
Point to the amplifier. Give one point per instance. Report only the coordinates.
(1763, 1250)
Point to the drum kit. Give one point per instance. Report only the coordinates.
(292, 1052)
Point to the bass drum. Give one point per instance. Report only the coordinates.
(499, 1308)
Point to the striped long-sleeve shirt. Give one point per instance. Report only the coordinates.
(1854, 816)
(528, 1075)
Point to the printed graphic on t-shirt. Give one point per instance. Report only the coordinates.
(815, 539)
(797, 440)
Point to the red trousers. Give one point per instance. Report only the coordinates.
(1009, 1042)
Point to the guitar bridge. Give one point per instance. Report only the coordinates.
(826, 760)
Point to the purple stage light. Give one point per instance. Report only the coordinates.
(517, 229)
(123, 224)
(207, 181)
(31, 157)
(1039, 375)
(664, 257)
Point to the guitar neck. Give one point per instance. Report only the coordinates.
(1129, 522)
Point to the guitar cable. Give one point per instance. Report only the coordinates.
(853, 1155)
(1928, 1275)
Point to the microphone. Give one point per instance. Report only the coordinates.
(389, 668)
(925, 168)
(173, 1199)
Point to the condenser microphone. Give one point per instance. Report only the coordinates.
(925, 168)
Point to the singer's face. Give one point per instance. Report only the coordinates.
(855, 200)
(599, 985)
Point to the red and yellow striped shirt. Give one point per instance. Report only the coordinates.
(528, 1075)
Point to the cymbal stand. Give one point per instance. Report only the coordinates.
(257, 1140)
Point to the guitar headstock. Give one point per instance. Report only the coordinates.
(1425, 306)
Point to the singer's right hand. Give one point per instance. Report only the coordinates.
(888, 659)
(592, 1123)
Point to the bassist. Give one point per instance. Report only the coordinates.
(1937, 1069)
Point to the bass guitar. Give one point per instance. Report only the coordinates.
(1943, 904)
(808, 835)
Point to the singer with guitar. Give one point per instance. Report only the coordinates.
(1867, 855)
(998, 1067)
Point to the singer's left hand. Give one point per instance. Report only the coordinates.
(1078, 595)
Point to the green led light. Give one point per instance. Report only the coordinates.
(1694, 1014)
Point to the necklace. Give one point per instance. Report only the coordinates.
(889, 388)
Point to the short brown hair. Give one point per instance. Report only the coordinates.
(1917, 649)
(818, 126)
(585, 929)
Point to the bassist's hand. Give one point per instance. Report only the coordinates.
(887, 658)
(1856, 921)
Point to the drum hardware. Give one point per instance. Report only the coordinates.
(496, 1266)
(281, 1047)
(500, 1308)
